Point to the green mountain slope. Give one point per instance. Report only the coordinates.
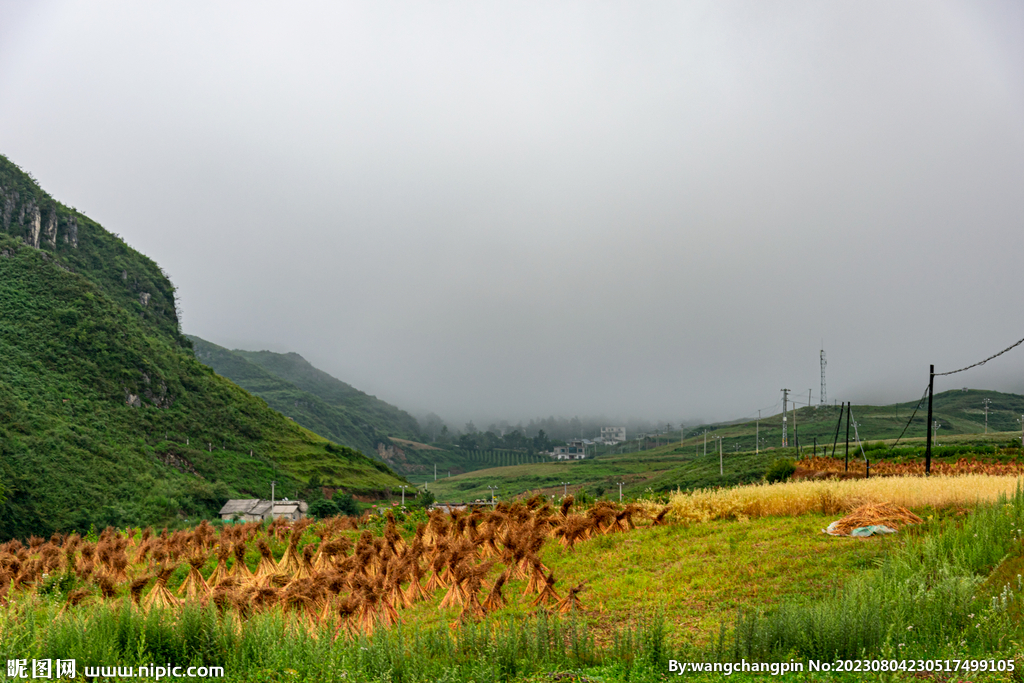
(106, 417)
(342, 413)
(374, 413)
(338, 423)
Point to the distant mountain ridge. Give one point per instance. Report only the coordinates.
(313, 398)
(106, 416)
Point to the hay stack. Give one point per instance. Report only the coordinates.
(886, 514)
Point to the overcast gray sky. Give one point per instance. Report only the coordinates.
(520, 209)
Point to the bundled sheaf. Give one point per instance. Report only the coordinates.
(329, 580)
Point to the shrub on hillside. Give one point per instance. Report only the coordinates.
(423, 499)
(346, 504)
(780, 470)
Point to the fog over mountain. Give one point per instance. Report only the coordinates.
(508, 211)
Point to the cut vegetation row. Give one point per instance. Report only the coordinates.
(474, 594)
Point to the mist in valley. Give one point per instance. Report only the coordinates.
(635, 214)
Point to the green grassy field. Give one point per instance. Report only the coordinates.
(700, 575)
(766, 590)
(674, 466)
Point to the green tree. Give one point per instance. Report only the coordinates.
(346, 504)
(314, 488)
(323, 508)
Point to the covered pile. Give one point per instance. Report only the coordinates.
(871, 519)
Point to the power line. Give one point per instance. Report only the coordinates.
(911, 419)
(981, 362)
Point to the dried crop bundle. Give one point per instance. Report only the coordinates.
(194, 585)
(887, 514)
(267, 567)
(571, 602)
(159, 596)
(572, 530)
(220, 572)
(240, 570)
(547, 593)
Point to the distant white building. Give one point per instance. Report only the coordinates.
(256, 510)
(575, 449)
(613, 434)
(246, 510)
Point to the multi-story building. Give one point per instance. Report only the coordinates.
(613, 434)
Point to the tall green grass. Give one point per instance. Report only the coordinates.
(271, 647)
(926, 597)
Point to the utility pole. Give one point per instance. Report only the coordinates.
(435, 471)
(848, 411)
(986, 402)
(403, 494)
(705, 443)
(620, 483)
(928, 443)
(836, 439)
(796, 433)
(822, 401)
(785, 437)
(272, 499)
(757, 435)
(721, 467)
(493, 489)
(565, 489)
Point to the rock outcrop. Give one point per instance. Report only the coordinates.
(43, 227)
(34, 221)
(71, 231)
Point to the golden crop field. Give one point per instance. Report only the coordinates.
(832, 496)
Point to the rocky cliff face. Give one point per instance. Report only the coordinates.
(69, 240)
(38, 227)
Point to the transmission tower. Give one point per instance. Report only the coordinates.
(785, 397)
(824, 399)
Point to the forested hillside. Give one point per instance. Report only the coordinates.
(314, 399)
(106, 417)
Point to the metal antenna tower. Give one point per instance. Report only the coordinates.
(785, 438)
(824, 399)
